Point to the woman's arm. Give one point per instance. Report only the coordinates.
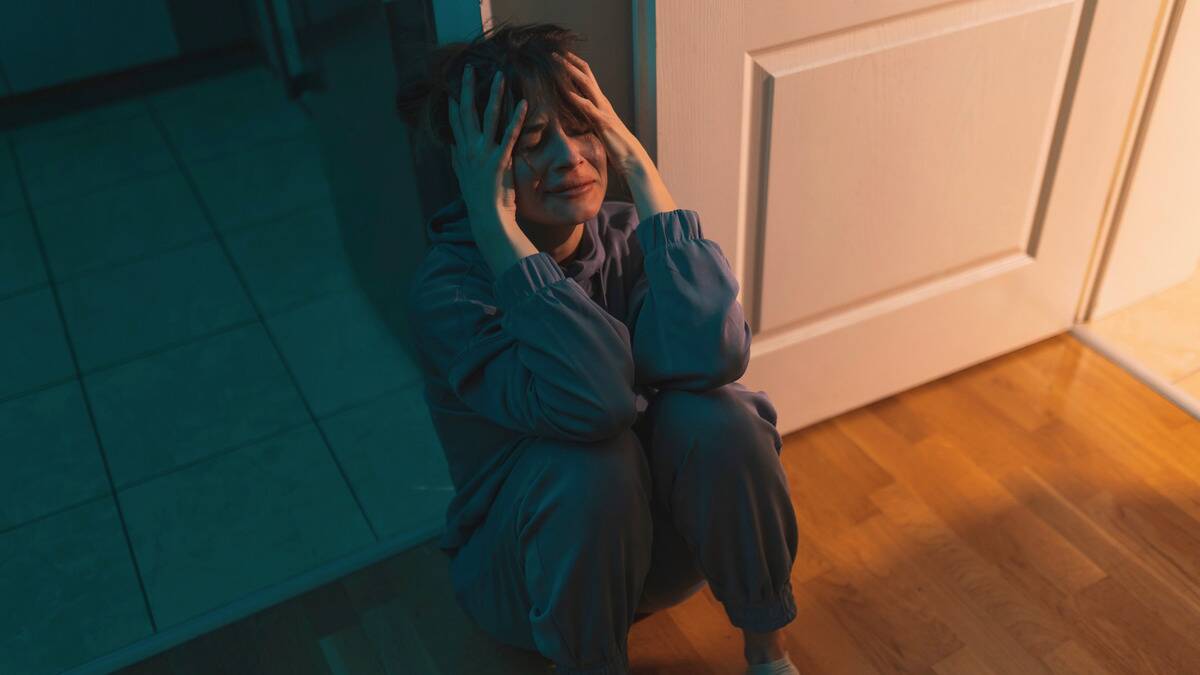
(650, 195)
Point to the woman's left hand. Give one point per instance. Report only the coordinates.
(625, 151)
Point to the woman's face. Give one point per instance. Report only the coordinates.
(547, 156)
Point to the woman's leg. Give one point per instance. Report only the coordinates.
(714, 456)
(559, 563)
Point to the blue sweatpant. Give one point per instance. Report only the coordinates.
(583, 536)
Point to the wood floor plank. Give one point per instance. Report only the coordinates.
(1119, 562)
(1021, 624)
(1071, 659)
(703, 622)
(1131, 636)
(962, 662)
(832, 503)
(1169, 551)
(348, 651)
(286, 642)
(883, 602)
(666, 650)
(818, 641)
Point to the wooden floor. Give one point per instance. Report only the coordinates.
(1037, 513)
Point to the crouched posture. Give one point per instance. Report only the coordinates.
(583, 536)
(543, 315)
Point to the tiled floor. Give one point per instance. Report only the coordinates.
(1162, 333)
(196, 400)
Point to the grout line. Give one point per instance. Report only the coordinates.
(282, 431)
(255, 602)
(180, 163)
(87, 401)
(220, 238)
(36, 132)
(78, 275)
(180, 344)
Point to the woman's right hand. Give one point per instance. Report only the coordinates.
(485, 169)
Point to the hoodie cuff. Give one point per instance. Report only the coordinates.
(668, 227)
(525, 278)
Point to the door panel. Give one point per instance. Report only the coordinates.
(928, 168)
(905, 188)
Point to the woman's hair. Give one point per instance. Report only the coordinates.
(523, 52)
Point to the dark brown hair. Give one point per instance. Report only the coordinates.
(523, 52)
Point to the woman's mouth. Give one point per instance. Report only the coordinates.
(574, 192)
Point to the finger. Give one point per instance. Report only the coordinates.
(578, 62)
(468, 118)
(514, 128)
(493, 107)
(585, 80)
(506, 178)
(590, 109)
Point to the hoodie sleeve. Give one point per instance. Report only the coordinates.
(687, 326)
(533, 353)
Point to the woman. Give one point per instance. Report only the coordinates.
(580, 358)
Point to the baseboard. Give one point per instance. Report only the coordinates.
(1131, 365)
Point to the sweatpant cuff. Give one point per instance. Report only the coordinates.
(764, 617)
(619, 668)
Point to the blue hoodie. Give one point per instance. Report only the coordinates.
(568, 352)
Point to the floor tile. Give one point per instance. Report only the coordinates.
(158, 413)
(21, 265)
(253, 82)
(341, 352)
(131, 310)
(228, 113)
(293, 260)
(117, 224)
(77, 121)
(221, 529)
(10, 187)
(262, 183)
(394, 461)
(35, 349)
(70, 591)
(105, 153)
(49, 459)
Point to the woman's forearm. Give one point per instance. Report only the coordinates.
(650, 195)
(503, 246)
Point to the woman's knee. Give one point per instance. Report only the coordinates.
(724, 420)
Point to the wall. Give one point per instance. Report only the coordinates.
(1157, 239)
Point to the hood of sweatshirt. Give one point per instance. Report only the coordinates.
(451, 225)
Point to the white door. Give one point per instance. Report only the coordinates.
(904, 187)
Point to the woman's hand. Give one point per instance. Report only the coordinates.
(625, 151)
(485, 169)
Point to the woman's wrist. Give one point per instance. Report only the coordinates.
(636, 164)
(650, 194)
(504, 246)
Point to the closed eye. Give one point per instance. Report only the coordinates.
(531, 146)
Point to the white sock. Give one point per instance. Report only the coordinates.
(783, 666)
